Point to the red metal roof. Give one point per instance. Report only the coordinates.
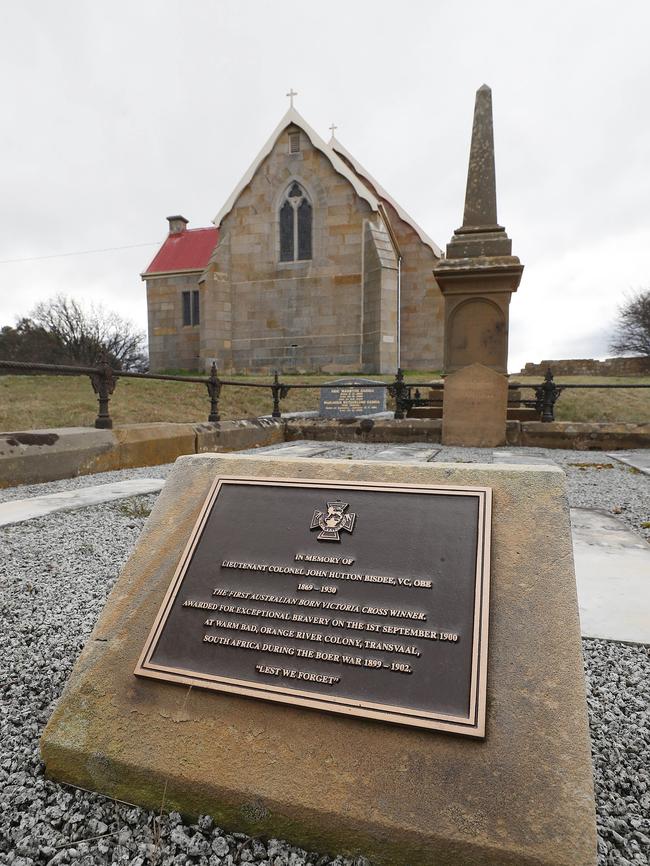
(184, 251)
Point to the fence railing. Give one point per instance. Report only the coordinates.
(407, 395)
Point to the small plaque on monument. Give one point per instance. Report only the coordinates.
(365, 398)
(359, 599)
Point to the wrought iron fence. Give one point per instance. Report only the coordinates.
(406, 395)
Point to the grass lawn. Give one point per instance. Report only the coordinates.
(33, 402)
(596, 405)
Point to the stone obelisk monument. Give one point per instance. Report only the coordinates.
(477, 278)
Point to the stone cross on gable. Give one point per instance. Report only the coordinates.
(291, 94)
(333, 128)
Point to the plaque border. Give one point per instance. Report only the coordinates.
(472, 725)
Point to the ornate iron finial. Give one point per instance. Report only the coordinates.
(214, 392)
(291, 94)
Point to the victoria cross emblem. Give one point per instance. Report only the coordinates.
(333, 521)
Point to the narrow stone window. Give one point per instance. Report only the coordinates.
(304, 230)
(187, 308)
(286, 233)
(294, 142)
(196, 318)
(295, 225)
(191, 309)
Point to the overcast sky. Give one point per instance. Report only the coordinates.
(119, 114)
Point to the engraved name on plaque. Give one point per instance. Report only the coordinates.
(364, 599)
(366, 398)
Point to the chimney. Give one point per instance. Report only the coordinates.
(177, 224)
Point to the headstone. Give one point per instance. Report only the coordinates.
(328, 752)
(366, 398)
(474, 408)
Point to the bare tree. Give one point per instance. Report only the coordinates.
(88, 333)
(632, 334)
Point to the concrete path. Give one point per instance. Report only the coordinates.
(17, 510)
(407, 453)
(415, 453)
(638, 459)
(612, 576)
(295, 449)
(504, 456)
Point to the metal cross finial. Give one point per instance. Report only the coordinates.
(291, 94)
(332, 129)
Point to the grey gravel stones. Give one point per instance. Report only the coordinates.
(55, 573)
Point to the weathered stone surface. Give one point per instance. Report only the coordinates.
(584, 436)
(237, 435)
(522, 797)
(474, 408)
(364, 430)
(35, 456)
(479, 273)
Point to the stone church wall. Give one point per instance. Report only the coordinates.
(172, 345)
(422, 307)
(300, 316)
(379, 301)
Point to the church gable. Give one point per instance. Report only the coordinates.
(309, 268)
(285, 281)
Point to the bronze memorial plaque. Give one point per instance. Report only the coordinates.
(364, 599)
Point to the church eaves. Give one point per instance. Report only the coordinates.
(293, 117)
(337, 147)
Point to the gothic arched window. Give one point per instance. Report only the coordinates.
(295, 225)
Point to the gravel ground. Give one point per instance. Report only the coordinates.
(55, 574)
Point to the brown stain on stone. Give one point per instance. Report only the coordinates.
(16, 439)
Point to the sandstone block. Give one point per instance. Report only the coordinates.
(474, 408)
(521, 797)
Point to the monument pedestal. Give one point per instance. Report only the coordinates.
(475, 408)
(523, 796)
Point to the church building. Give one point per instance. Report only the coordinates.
(310, 267)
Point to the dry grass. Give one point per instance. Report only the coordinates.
(596, 405)
(33, 402)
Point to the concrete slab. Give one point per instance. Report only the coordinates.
(296, 449)
(415, 453)
(638, 459)
(504, 456)
(613, 577)
(18, 510)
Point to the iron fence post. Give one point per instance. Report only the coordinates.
(279, 392)
(103, 382)
(214, 390)
(400, 392)
(546, 396)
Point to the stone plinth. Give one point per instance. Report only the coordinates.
(521, 797)
(474, 408)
